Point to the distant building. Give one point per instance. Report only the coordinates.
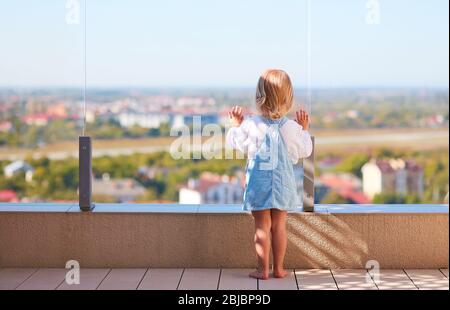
(395, 176)
(354, 197)
(57, 111)
(9, 196)
(338, 181)
(39, 120)
(213, 189)
(146, 120)
(434, 121)
(121, 190)
(352, 114)
(90, 116)
(330, 117)
(195, 102)
(17, 167)
(179, 120)
(6, 126)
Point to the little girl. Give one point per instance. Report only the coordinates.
(273, 144)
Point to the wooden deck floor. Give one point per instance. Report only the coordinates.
(222, 279)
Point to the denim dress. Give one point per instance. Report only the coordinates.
(270, 174)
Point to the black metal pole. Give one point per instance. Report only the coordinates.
(85, 174)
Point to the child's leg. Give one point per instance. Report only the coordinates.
(279, 242)
(262, 243)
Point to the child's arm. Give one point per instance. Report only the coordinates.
(238, 134)
(302, 118)
(236, 116)
(297, 138)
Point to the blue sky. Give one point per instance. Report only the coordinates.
(226, 43)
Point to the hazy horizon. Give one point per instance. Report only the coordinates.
(220, 88)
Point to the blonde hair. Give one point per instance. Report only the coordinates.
(274, 94)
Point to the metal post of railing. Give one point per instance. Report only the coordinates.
(85, 142)
(308, 181)
(85, 174)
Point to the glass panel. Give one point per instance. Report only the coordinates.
(157, 66)
(380, 72)
(41, 77)
(373, 75)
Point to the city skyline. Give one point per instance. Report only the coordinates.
(142, 44)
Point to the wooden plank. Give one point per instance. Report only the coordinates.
(315, 279)
(288, 283)
(353, 279)
(237, 279)
(392, 280)
(123, 279)
(161, 279)
(44, 279)
(200, 279)
(90, 279)
(445, 272)
(11, 278)
(428, 279)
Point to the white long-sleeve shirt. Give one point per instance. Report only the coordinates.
(250, 135)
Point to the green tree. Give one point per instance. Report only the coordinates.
(389, 199)
(334, 198)
(353, 164)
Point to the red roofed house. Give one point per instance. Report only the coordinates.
(39, 120)
(355, 197)
(8, 196)
(395, 176)
(57, 111)
(54, 112)
(6, 127)
(345, 185)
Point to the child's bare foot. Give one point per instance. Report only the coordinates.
(280, 274)
(259, 275)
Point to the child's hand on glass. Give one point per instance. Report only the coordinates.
(302, 118)
(236, 116)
